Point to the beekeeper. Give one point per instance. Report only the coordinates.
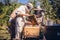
(21, 13)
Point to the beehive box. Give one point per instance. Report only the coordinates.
(31, 31)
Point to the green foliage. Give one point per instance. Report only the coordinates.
(6, 10)
(33, 2)
(56, 7)
(50, 13)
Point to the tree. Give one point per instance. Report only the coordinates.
(6, 10)
(56, 6)
(50, 13)
(33, 2)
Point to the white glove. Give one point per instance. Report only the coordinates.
(10, 19)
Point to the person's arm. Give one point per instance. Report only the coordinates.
(22, 11)
(13, 15)
(21, 14)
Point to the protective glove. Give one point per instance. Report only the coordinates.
(10, 19)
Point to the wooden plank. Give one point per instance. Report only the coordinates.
(31, 31)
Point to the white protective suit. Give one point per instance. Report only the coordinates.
(20, 21)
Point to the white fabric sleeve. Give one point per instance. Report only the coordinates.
(20, 10)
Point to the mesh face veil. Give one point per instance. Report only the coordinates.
(29, 5)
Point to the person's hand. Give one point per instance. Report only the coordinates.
(27, 14)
